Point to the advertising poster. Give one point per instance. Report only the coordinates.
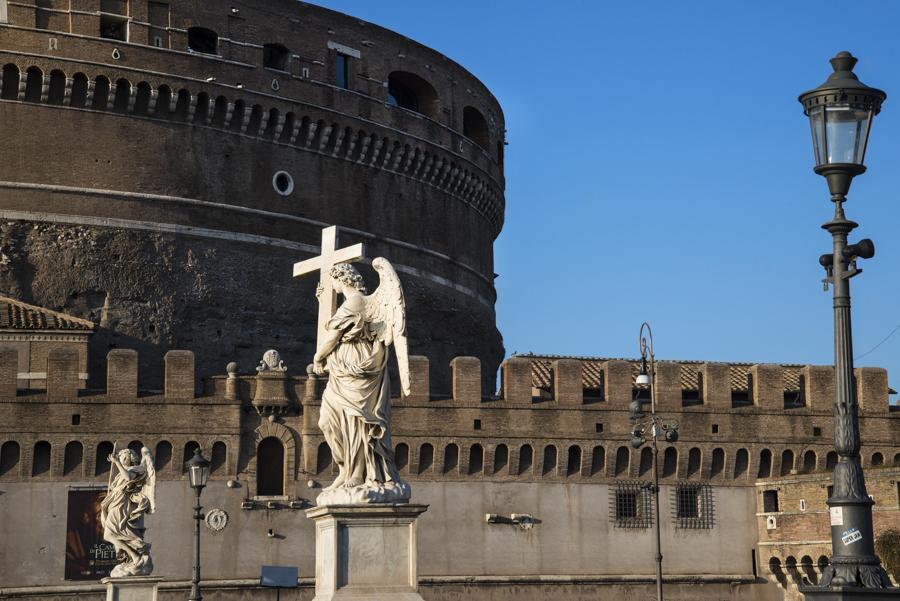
(88, 556)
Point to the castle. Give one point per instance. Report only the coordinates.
(146, 277)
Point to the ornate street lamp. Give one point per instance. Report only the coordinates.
(655, 427)
(840, 113)
(198, 473)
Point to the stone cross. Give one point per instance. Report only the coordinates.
(330, 256)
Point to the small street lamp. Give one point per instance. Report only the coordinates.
(198, 473)
(840, 114)
(655, 427)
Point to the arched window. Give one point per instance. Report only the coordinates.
(9, 457)
(573, 462)
(237, 116)
(787, 462)
(163, 100)
(598, 460)
(549, 466)
(718, 463)
(475, 127)
(623, 458)
(255, 120)
(897, 460)
(831, 460)
(426, 458)
(288, 130)
(451, 458)
(501, 459)
(476, 459)
(72, 458)
(123, 96)
(220, 112)
(323, 458)
(276, 56)
(741, 462)
(34, 82)
(101, 464)
(40, 464)
(808, 569)
(409, 91)
(646, 461)
(670, 462)
(526, 459)
(765, 464)
(219, 457)
(142, 99)
(136, 446)
(10, 89)
(401, 456)
(183, 105)
(57, 90)
(201, 109)
(78, 98)
(270, 467)
(877, 459)
(163, 456)
(271, 124)
(203, 40)
(101, 93)
(693, 468)
(189, 449)
(809, 462)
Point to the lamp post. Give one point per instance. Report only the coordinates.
(840, 113)
(654, 426)
(198, 473)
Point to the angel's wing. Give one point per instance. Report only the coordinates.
(149, 488)
(386, 310)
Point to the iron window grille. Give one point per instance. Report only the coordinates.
(630, 504)
(692, 506)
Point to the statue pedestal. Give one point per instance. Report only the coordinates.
(366, 552)
(132, 588)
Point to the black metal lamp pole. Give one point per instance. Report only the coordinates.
(198, 473)
(841, 112)
(656, 427)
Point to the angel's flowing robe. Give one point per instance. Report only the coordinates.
(356, 406)
(124, 504)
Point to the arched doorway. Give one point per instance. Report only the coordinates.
(270, 467)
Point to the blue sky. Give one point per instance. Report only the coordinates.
(659, 168)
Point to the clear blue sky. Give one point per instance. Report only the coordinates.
(659, 168)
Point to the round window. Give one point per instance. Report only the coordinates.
(283, 183)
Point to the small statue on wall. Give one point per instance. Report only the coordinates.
(131, 494)
(356, 406)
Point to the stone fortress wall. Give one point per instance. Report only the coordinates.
(559, 455)
(178, 157)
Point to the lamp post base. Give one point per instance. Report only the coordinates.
(849, 593)
(132, 588)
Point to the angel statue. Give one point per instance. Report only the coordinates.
(356, 406)
(131, 494)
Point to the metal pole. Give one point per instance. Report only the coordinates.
(195, 579)
(654, 433)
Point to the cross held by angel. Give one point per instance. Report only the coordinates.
(353, 349)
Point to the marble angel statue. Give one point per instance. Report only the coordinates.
(356, 406)
(131, 494)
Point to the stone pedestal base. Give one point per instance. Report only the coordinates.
(132, 588)
(366, 552)
(849, 593)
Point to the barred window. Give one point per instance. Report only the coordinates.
(692, 505)
(630, 504)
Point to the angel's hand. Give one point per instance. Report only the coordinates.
(319, 290)
(110, 458)
(319, 368)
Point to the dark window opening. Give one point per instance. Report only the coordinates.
(715, 428)
(34, 83)
(136, 446)
(526, 458)
(114, 28)
(809, 462)
(877, 460)
(276, 56)
(831, 460)
(40, 464)
(57, 90)
(10, 89)
(426, 457)
(104, 450)
(693, 462)
(646, 461)
(598, 427)
(189, 450)
(101, 94)
(203, 40)
(475, 127)
(593, 395)
(401, 456)
(409, 91)
(829, 490)
(670, 462)
(630, 505)
(76, 419)
(573, 464)
(693, 506)
(477, 424)
(690, 398)
(549, 466)
(72, 458)
(718, 463)
(163, 455)
(741, 462)
(501, 458)
(323, 459)
(787, 462)
(770, 501)
(219, 455)
(623, 458)
(10, 454)
(598, 460)
(765, 464)
(270, 467)
(451, 458)
(342, 71)
(817, 431)
(476, 459)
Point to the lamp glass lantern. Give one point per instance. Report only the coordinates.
(198, 470)
(840, 115)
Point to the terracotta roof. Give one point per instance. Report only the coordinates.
(18, 316)
(591, 366)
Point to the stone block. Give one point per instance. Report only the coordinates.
(768, 386)
(617, 382)
(668, 386)
(179, 375)
(818, 384)
(568, 385)
(132, 588)
(466, 379)
(516, 376)
(62, 373)
(9, 371)
(715, 382)
(419, 382)
(122, 373)
(872, 389)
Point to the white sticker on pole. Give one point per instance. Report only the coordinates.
(837, 516)
(851, 536)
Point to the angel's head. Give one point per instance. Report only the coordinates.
(346, 275)
(127, 457)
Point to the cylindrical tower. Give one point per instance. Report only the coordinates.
(163, 164)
